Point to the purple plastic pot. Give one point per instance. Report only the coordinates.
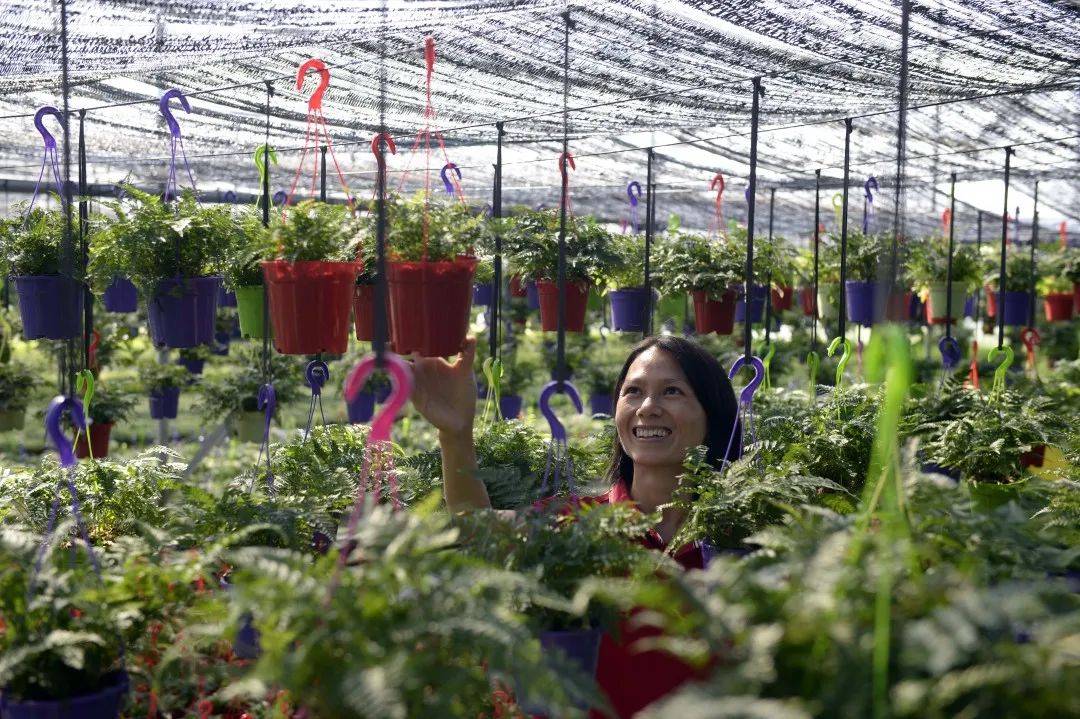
(482, 294)
(969, 306)
(102, 704)
(362, 408)
(121, 296)
(629, 309)
(1017, 307)
(226, 298)
(757, 305)
(382, 393)
(859, 301)
(510, 406)
(194, 366)
(182, 311)
(51, 306)
(532, 295)
(601, 403)
(164, 403)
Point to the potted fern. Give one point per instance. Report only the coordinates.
(108, 407)
(629, 300)
(17, 382)
(173, 252)
(520, 372)
(710, 270)
(163, 382)
(310, 282)
(50, 302)
(121, 296)
(363, 303)
(1016, 304)
(927, 267)
(1055, 286)
(234, 398)
(193, 359)
(243, 273)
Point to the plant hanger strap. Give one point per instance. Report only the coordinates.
(634, 200)
(869, 186)
(49, 157)
(717, 183)
(315, 131)
(267, 402)
(175, 140)
(558, 450)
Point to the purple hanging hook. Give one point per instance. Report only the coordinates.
(747, 395)
(50, 141)
(950, 352)
(634, 198)
(447, 184)
(317, 373)
(57, 407)
(558, 432)
(163, 105)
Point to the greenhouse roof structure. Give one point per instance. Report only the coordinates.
(673, 75)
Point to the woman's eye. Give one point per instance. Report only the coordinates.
(631, 390)
(673, 390)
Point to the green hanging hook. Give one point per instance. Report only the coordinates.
(260, 162)
(84, 384)
(493, 372)
(844, 356)
(999, 373)
(838, 209)
(765, 362)
(813, 363)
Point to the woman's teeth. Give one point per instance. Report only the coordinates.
(650, 432)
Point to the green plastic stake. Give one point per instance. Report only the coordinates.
(845, 356)
(999, 373)
(767, 383)
(813, 363)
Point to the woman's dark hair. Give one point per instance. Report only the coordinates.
(712, 389)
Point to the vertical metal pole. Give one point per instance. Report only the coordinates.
(68, 248)
(379, 325)
(1004, 234)
(496, 213)
(560, 348)
(842, 327)
(266, 202)
(322, 175)
(948, 261)
(84, 222)
(768, 278)
(755, 114)
(901, 152)
(1034, 244)
(650, 203)
(817, 245)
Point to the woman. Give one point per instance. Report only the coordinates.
(671, 396)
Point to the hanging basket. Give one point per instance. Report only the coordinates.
(859, 301)
(12, 419)
(1016, 307)
(182, 310)
(806, 301)
(510, 406)
(362, 408)
(532, 295)
(1058, 306)
(250, 426)
(601, 403)
(226, 298)
(629, 309)
(309, 305)
(757, 306)
(121, 296)
(99, 434)
(783, 298)
(429, 305)
(517, 286)
(713, 314)
(249, 310)
(577, 299)
(51, 306)
(105, 703)
(937, 301)
(194, 366)
(483, 294)
(164, 403)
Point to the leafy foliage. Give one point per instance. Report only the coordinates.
(239, 390)
(156, 376)
(31, 243)
(251, 246)
(419, 228)
(17, 382)
(110, 405)
(686, 262)
(531, 246)
(927, 264)
(315, 231)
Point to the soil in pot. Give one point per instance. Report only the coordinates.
(310, 304)
(51, 306)
(429, 305)
(714, 314)
(99, 441)
(577, 296)
(249, 309)
(182, 311)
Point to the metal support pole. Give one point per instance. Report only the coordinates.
(842, 327)
(650, 202)
(496, 213)
(379, 325)
(948, 261)
(817, 245)
(1004, 235)
(978, 253)
(560, 347)
(84, 228)
(266, 202)
(322, 175)
(1034, 246)
(768, 277)
(755, 114)
(892, 271)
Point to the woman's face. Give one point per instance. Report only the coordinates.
(657, 415)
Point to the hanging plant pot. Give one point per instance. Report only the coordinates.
(991, 301)
(105, 703)
(249, 310)
(713, 314)
(782, 298)
(1058, 306)
(121, 296)
(757, 306)
(517, 286)
(579, 647)
(532, 295)
(382, 393)
(629, 309)
(12, 419)
(601, 403)
(859, 300)
(309, 305)
(226, 298)
(827, 309)
(99, 434)
(363, 306)
(1016, 307)
(483, 294)
(1034, 457)
(51, 306)
(250, 426)
(937, 301)
(194, 366)
(164, 403)
(969, 306)
(222, 340)
(577, 296)
(673, 307)
(182, 311)
(429, 305)
(362, 408)
(806, 301)
(510, 406)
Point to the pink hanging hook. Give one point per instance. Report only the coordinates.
(315, 101)
(50, 141)
(401, 389)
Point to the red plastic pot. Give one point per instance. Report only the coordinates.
(713, 314)
(363, 312)
(517, 286)
(99, 441)
(807, 301)
(991, 301)
(577, 297)
(782, 299)
(309, 305)
(1035, 457)
(1076, 297)
(429, 305)
(1058, 306)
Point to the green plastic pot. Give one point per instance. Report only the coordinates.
(249, 426)
(673, 307)
(937, 301)
(596, 302)
(988, 496)
(826, 305)
(12, 419)
(249, 306)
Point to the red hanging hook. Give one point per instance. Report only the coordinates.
(564, 159)
(946, 221)
(429, 54)
(718, 179)
(1063, 240)
(315, 101)
(376, 150)
(1030, 337)
(973, 368)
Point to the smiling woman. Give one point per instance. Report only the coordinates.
(672, 396)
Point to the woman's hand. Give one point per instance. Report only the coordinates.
(445, 392)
